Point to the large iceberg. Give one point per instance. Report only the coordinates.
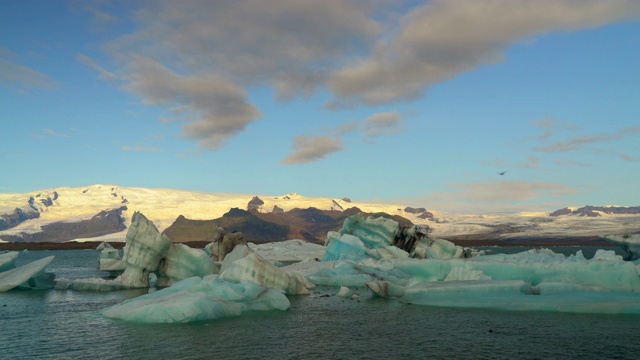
(198, 299)
(110, 260)
(149, 253)
(381, 238)
(29, 276)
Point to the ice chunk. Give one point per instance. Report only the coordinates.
(630, 243)
(373, 231)
(344, 246)
(31, 275)
(356, 274)
(288, 251)
(197, 299)
(180, 262)
(254, 268)
(110, 260)
(7, 260)
(143, 251)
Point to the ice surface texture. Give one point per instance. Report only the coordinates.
(198, 299)
(29, 276)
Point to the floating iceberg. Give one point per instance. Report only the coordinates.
(149, 253)
(382, 238)
(8, 260)
(629, 243)
(29, 276)
(110, 260)
(253, 267)
(198, 299)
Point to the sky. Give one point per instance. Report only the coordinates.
(423, 103)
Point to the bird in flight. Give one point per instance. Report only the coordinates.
(502, 173)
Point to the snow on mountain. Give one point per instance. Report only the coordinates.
(163, 206)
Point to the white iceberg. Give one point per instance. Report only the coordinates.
(8, 260)
(630, 243)
(253, 267)
(29, 276)
(198, 299)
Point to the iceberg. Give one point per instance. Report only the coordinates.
(630, 243)
(254, 268)
(110, 260)
(29, 276)
(382, 238)
(8, 260)
(148, 253)
(198, 299)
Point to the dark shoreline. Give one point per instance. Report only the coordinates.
(525, 242)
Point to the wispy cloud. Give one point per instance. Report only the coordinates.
(312, 148)
(498, 196)
(140, 148)
(583, 141)
(104, 74)
(23, 77)
(387, 123)
(44, 133)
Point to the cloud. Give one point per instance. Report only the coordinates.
(287, 43)
(140, 148)
(387, 123)
(628, 157)
(439, 40)
(214, 108)
(44, 133)
(22, 77)
(501, 191)
(104, 74)
(312, 148)
(582, 141)
(570, 163)
(531, 164)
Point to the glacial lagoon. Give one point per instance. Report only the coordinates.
(67, 324)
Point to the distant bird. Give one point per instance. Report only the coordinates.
(502, 173)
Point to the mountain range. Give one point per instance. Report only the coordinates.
(103, 213)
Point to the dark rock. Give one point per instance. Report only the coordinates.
(8, 221)
(277, 210)
(560, 212)
(254, 204)
(346, 199)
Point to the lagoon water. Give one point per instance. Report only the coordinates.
(66, 324)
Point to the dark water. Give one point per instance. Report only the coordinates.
(65, 324)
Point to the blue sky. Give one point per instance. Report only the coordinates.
(420, 103)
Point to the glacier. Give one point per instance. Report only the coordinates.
(29, 276)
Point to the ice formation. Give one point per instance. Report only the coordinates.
(629, 243)
(253, 267)
(110, 260)
(381, 238)
(197, 299)
(29, 276)
(146, 253)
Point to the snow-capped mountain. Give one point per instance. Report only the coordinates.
(103, 213)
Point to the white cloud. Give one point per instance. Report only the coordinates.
(140, 148)
(584, 141)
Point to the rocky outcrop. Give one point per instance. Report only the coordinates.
(8, 221)
(254, 204)
(595, 211)
(306, 224)
(421, 213)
